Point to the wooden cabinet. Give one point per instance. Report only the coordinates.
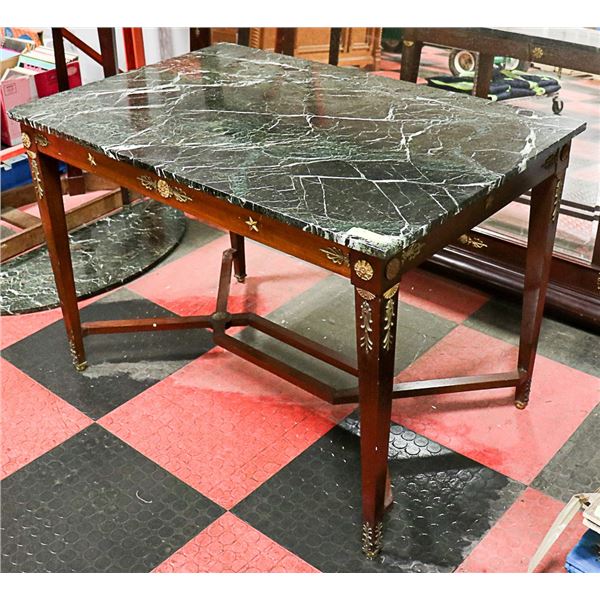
(360, 46)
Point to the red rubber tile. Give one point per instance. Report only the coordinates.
(188, 286)
(388, 65)
(440, 296)
(591, 173)
(485, 425)
(32, 420)
(388, 74)
(570, 95)
(589, 109)
(17, 327)
(229, 545)
(223, 425)
(585, 149)
(513, 540)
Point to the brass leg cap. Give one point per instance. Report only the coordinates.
(372, 540)
(81, 366)
(241, 278)
(521, 404)
(371, 555)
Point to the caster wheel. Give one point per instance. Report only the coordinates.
(461, 62)
(557, 106)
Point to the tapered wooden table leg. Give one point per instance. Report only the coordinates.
(46, 179)
(239, 259)
(543, 217)
(411, 58)
(483, 75)
(375, 332)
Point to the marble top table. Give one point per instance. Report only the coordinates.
(363, 176)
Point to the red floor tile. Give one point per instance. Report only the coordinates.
(18, 327)
(229, 545)
(485, 425)
(388, 74)
(69, 202)
(513, 540)
(14, 328)
(591, 173)
(440, 296)
(389, 65)
(223, 425)
(586, 149)
(188, 286)
(570, 95)
(32, 419)
(591, 110)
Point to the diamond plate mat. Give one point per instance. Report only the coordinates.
(444, 504)
(563, 343)
(120, 366)
(94, 504)
(575, 468)
(325, 313)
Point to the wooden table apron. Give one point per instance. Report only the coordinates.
(491, 43)
(375, 281)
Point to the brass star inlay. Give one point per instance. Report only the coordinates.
(252, 224)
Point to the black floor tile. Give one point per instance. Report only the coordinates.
(120, 366)
(575, 468)
(563, 343)
(444, 504)
(94, 504)
(325, 313)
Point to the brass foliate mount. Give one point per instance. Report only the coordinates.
(537, 52)
(475, 242)
(336, 256)
(79, 366)
(35, 173)
(41, 140)
(163, 188)
(557, 199)
(388, 326)
(363, 269)
(392, 269)
(523, 400)
(412, 251)
(366, 323)
(372, 540)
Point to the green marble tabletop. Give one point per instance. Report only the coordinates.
(368, 162)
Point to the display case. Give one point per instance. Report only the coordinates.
(360, 46)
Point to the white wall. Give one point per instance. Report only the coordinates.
(159, 43)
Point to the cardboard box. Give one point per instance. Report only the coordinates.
(41, 60)
(10, 51)
(14, 91)
(46, 81)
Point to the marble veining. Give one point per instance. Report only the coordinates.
(107, 253)
(365, 161)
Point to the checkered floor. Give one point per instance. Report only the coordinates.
(169, 454)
